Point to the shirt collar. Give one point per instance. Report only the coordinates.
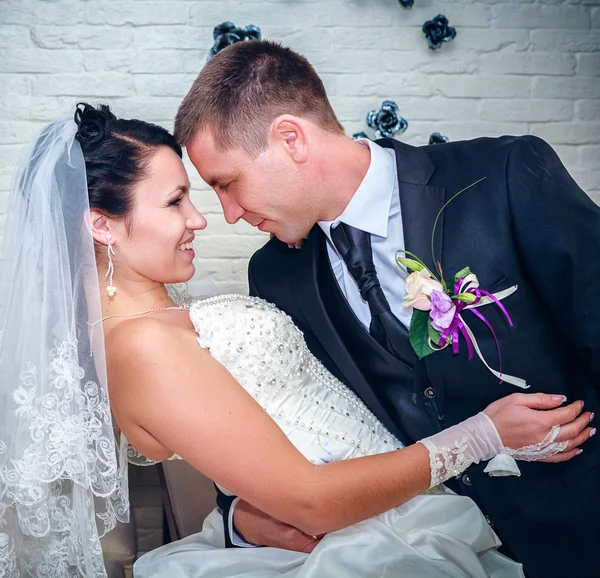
(372, 204)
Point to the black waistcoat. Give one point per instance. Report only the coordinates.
(399, 384)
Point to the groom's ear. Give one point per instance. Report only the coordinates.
(289, 131)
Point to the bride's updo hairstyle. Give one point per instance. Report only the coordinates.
(116, 153)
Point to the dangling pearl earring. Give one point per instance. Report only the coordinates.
(110, 289)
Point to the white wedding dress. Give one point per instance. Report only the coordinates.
(436, 534)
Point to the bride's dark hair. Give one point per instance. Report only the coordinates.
(116, 153)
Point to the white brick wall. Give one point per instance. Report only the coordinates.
(515, 67)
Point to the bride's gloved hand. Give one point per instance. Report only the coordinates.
(528, 427)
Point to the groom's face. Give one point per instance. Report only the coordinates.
(266, 191)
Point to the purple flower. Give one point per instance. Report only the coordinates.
(442, 310)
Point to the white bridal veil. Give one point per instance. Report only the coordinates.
(63, 483)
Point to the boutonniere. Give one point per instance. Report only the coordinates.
(439, 306)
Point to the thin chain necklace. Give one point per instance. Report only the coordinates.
(93, 325)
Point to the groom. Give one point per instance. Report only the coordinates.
(260, 130)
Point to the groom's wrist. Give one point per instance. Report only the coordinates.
(236, 537)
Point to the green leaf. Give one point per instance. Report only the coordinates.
(410, 264)
(433, 334)
(417, 259)
(462, 273)
(442, 280)
(466, 297)
(418, 333)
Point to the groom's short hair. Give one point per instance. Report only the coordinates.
(244, 88)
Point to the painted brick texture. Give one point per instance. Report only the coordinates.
(515, 67)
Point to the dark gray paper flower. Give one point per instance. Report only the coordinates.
(437, 31)
(437, 138)
(387, 120)
(228, 33)
(407, 3)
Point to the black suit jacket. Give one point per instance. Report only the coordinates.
(526, 224)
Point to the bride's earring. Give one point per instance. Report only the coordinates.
(110, 289)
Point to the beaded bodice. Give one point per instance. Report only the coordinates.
(263, 349)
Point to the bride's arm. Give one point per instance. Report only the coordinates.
(166, 389)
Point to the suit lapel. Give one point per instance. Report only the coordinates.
(419, 203)
(419, 206)
(308, 299)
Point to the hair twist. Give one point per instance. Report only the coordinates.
(93, 124)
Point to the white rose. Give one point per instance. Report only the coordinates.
(419, 286)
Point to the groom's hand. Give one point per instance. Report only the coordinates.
(261, 529)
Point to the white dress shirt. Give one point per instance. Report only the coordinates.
(236, 539)
(375, 209)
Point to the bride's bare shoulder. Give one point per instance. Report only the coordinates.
(134, 359)
(136, 331)
(147, 345)
(147, 360)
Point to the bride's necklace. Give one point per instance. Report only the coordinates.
(93, 325)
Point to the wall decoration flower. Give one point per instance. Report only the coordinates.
(387, 120)
(437, 31)
(228, 33)
(437, 138)
(407, 3)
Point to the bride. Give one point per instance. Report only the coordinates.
(99, 221)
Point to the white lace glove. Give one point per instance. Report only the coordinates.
(504, 463)
(475, 440)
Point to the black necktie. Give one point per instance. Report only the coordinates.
(354, 246)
